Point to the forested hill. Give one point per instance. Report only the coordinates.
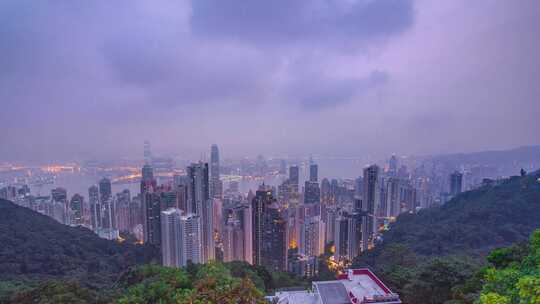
(34, 246)
(475, 221)
(437, 255)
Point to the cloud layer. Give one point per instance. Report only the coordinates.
(83, 79)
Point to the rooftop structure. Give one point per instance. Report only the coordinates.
(356, 286)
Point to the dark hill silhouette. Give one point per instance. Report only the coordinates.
(34, 246)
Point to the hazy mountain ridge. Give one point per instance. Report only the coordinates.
(500, 158)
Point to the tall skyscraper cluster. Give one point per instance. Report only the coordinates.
(191, 219)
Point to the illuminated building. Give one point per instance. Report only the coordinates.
(123, 204)
(269, 232)
(76, 205)
(244, 217)
(180, 238)
(233, 241)
(392, 196)
(370, 203)
(151, 216)
(105, 192)
(135, 212)
(294, 179)
(325, 191)
(199, 203)
(314, 230)
(301, 264)
(312, 193)
(95, 207)
(147, 181)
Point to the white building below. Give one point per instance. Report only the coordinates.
(356, 286)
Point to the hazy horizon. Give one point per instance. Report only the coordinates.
(93, 80)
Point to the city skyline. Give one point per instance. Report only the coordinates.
(292, 152)
(332, 78)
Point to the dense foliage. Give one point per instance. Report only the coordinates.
(474, 222)
(513, 276)
(438, 255)
(210, 283)
(35, 247)
(59, 292)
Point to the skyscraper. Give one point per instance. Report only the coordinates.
(325, 191)
(269, 232)
(456, 183)
(358, 187)
(59, 194)
(294, 178)
(76, 205)
(59, 205)
(151, 207)
(312, 193)
(392, 197)
(108, 220)
(370, 203)
(314, 231)
(216, 186)
(313, 171)
(190, 227)
(151, 217)
(180, 239)
(348, 235)
(341, 238)
(147, 180)
(199, 203)
(233, 241)
(334, 191)
(245, 218)
(135, 212)
(217, 217)
(171, 237)
(331, 215)
(95, 207)
(198, 193)
(122, 206)
(105, 191)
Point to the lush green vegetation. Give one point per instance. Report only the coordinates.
(439, 254)
(210, 283)
(197, 284)
(513, 275)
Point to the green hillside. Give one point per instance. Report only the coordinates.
(35, 247)
(437, 255)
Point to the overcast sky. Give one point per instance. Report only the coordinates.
(94, 79)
